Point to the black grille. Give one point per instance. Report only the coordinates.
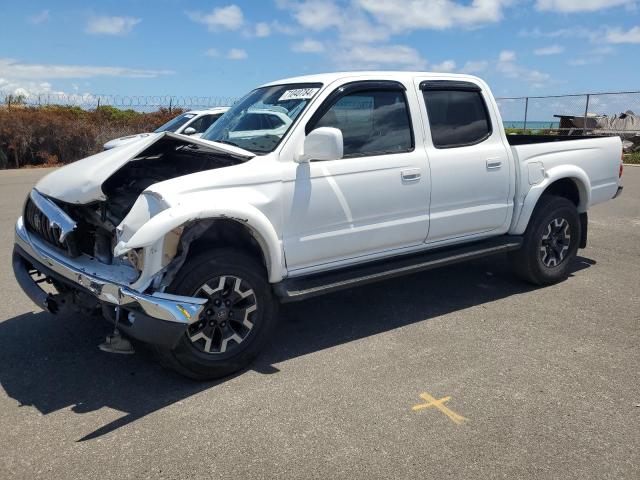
(38, 223)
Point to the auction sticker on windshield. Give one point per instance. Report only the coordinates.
(298, 94)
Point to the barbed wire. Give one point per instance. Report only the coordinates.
(534, 112)
(133, 102)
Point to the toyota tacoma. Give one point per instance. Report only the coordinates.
(190, 244)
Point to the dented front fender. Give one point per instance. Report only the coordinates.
(159, 225)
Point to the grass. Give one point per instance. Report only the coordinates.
(632, 158)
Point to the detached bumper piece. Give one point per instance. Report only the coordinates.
(156, 318)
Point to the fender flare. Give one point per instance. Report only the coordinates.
(572, 172)
(252, 218)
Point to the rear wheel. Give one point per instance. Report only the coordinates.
(550, 242)
(238, 317)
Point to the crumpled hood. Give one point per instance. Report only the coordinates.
(81, 182)
(118, 142)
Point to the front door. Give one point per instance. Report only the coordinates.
(375, 198)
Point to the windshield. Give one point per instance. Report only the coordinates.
(175, 123)
(259, 121)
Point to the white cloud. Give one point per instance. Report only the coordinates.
(617, 35)
(375, 56)
(570, 32)
(227, 18)
(401, 16)
(507, 56)
(572, 6)
(262, 29)
(212, 52)
(26, 88)
(316, 15)
(308, 45)
(39, 18)
(509, 68)
(283, 28)
(609, 35)
(603, 51)
(351, 22)
(358, 29)
(12, 69)
(592, 57)
(550, 50)
(579, 62)
(475, 66)
(237, 54)
(111, 25)
(446, 67)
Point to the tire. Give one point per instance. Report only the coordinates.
(237, 320)
(550, 242)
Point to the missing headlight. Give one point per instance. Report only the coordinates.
(135, 257)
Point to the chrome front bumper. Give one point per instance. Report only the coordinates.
(162, 306)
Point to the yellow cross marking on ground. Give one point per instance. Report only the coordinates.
(440, 405)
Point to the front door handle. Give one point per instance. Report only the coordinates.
(493, 164)
(411, 175)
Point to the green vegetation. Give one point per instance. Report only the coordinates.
(54, 134)
(632, 158)
(537, 131)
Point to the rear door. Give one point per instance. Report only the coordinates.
(470, 165)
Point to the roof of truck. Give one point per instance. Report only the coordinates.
(326, 78)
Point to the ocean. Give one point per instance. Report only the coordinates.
(535, 125)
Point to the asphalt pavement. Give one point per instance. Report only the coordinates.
(462, 372)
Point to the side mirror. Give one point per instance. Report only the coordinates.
(189, 131)
(324, 143)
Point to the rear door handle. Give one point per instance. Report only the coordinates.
(411, 175)
(493, 164)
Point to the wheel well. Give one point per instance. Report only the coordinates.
(565, 187)
(228, 233)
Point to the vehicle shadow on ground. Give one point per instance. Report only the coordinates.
(53, 363)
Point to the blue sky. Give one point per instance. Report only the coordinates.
(224, 48)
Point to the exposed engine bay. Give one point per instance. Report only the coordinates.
(168, 158)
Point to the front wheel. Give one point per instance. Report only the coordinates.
(550, 242)
(237, 320)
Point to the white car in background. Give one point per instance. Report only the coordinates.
(192, 123)
(260, 128)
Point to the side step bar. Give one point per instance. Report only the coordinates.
(301, 288)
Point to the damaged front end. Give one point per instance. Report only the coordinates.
(70, 245)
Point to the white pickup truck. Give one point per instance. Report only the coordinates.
(190, 244)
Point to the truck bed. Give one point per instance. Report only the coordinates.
(530, 139)
(591, 159)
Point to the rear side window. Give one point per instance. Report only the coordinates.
(372, 122)
(457, 117)
(204, 122)
(274, 121)
(253, 121)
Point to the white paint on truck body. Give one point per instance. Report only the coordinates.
(316, 216)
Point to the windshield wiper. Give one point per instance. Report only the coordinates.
(228, 142)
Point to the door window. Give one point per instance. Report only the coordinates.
(372, 122)
(204, 122)
(457, 117)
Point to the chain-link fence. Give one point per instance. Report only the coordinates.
(615, 113)
(139, 103)
(33, 136)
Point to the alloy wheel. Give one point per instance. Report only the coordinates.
(228, 317)
(555, 242)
